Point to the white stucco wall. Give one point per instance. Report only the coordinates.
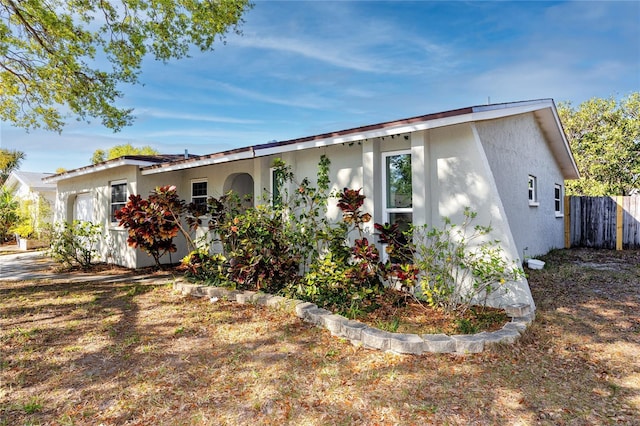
(459, 177)
(516, 148)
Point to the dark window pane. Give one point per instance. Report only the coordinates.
(200, 203)
(404, 220)
(119, 193)
(199, 189)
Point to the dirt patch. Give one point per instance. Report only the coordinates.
(130, 353)
(397, 312)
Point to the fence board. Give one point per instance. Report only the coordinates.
(631, 222)
(593, 222)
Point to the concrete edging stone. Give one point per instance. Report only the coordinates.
(370, 337)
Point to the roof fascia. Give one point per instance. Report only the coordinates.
(488, 112)
(204, 161)
(550, 122)
(96, 168)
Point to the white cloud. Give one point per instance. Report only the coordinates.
(159, 113)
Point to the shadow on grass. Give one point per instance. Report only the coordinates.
(126, 353)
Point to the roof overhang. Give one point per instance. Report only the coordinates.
(107, 165)
(203, 160)
(543, 109)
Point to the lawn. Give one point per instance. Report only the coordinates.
(75, 353)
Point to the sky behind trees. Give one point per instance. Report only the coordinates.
(303, 68)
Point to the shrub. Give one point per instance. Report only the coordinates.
(75, 243)
(459, 266)
(153, 223)
(206, 268)
(261, 254)
(345, 278)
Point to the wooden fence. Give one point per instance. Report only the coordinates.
(602, 222)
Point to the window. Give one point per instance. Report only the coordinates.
(199, 194)
(118, 198)
(398, 192)
(277, 185)
(557, 199)
(533, 191)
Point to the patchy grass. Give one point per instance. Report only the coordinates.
(75, 353)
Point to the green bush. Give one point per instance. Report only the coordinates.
(459, 266)
(75, 243)
(210, 269)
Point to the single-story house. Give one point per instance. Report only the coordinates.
(507, 162)
(29, 186)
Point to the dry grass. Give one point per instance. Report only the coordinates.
(77, 353)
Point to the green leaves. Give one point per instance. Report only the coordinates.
(604, 135)
(54, 51)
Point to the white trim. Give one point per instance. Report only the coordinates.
(489, 112)
(97, 168)
(188, 164)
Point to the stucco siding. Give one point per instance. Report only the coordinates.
(460, 176)
(516, 148)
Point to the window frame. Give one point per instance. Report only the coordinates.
(112, 203)
(387, 211)
(204, 197)
(558, 207)
(532, 191)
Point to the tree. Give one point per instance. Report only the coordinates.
(71, 55)
(604, 135)
(9, 161)
(100, 155)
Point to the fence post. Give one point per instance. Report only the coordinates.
(619, 219)
(567, 222)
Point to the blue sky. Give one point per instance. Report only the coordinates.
(303, 68)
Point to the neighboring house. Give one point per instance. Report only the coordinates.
(508, 162)
(29, 187)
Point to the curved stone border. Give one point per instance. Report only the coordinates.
(361, 334)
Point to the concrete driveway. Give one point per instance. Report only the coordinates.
(29, 265)
(35, 265)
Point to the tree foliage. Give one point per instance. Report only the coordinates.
(604, 135)
(10, 160)
(68, 57)
(100, 155)
(9, 216)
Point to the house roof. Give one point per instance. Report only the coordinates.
(32, 180)
(126, 160)
(544, 110)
